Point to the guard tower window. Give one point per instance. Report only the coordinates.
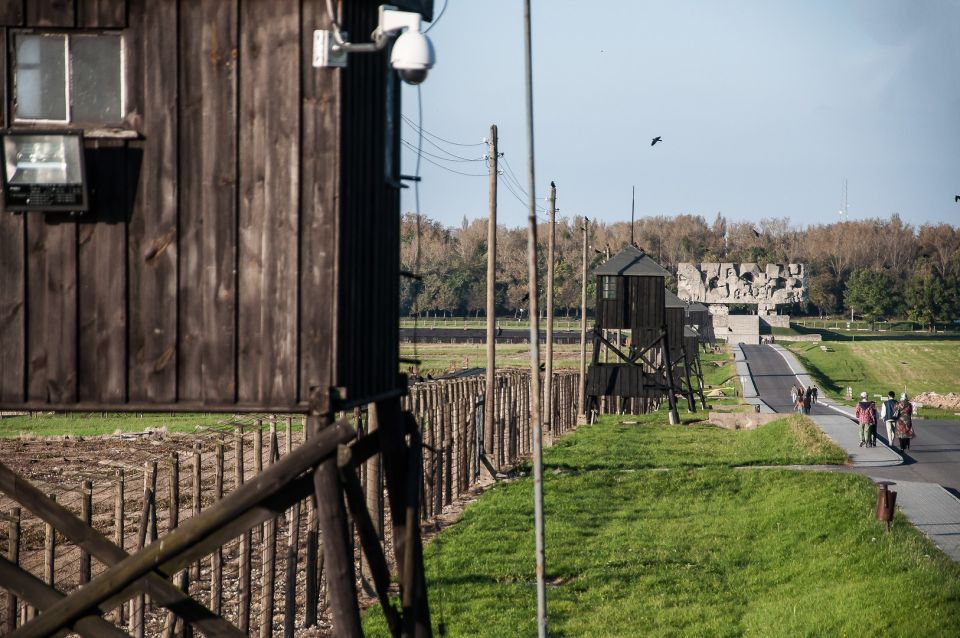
(609, 287)
(69, 78)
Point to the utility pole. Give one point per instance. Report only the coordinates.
(489, 405)
(548, 376)
(583, 324)
(535, 398)
(633, 201)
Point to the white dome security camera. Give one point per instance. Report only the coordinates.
(412, 56)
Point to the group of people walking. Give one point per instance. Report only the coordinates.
(803, 398)
(897, 415)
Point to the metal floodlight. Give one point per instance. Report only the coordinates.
(44, 171)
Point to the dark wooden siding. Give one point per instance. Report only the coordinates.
(243, 249)
(675, 321)
(646, 310)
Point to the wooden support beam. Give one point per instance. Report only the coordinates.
(369, 538)
(42, 596)
(215, 526)
(396, 465)
(89, 539)
(332, 516)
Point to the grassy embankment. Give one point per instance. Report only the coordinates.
(879, 365)
(693, 547)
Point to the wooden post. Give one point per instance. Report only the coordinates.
(86, 515)
(118, 531)
(488, 413)
(581, 394)
(312, 575)
(138, 613)
(49, 551)
(268, 557)
(374, 496)
(258, 463)
(13, 555)
(216, 559)
(548, 414)
(173, 489)
(197, 486)
(290, 591)
(243, 558)
(338, 553)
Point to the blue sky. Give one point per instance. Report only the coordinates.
(764, 106)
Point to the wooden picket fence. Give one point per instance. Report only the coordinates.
(271, 579)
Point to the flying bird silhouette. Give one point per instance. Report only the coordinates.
(957, 198)
(655, 140)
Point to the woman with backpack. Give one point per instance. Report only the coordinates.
(905, 422)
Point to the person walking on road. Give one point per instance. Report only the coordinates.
(793, 395)
(867, 418)
(888, 413)
(905, 422)
(807, 400)
(816, 394)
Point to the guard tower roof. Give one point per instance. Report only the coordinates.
(696, 306)
(631, 262)
(671, 300)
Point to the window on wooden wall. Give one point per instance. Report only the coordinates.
(75, 78)
(609, 287)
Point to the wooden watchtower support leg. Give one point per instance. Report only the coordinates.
(672, 390)
(332, 518)
(691, 405)
(402, 482)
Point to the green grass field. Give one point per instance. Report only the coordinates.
(97, 424)
(881, 365)
(698, 549)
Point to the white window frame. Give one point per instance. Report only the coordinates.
(68, 77)
(608, 288)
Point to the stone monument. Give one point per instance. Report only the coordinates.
(719, 284)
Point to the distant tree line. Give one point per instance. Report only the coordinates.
(879, 268)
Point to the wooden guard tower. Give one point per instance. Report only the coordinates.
(240, 253)
(631, 299)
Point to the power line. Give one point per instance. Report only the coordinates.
(450, 170)
(439, 15)
(438, 147)
(455, 158)
(434, 135)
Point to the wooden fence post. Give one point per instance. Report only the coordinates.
(216, 559)
(243, 559)
(13, 555)
(197, 494)
(172, 621)
(86, 515)
(118, 532)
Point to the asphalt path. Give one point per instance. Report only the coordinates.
(933, 457)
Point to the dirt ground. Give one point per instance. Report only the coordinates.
(59, 465)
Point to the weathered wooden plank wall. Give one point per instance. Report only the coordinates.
(238, 252)
(209, 40)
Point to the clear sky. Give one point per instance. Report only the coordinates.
(764, 106)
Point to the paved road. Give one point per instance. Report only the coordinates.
(934, 455)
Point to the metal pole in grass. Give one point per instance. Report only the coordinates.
(535, 398)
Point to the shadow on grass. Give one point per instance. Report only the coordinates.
(827, 334)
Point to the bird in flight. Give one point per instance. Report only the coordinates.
(957, 198)
(655, 140)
